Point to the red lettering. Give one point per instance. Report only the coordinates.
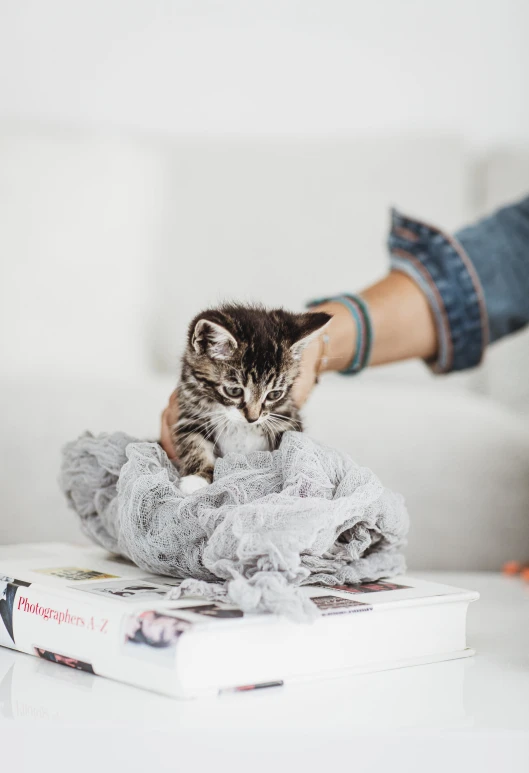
(60, 617)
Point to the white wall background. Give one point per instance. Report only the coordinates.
(281, 66)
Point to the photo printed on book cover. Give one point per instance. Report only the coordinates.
(126, 590)
(75, 573)
(8, 591)
(366, 587)
(338, 605)
(152, 636)
(64, 660)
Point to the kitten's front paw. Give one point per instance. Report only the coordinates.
(192, 483)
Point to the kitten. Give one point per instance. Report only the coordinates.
(235, 387)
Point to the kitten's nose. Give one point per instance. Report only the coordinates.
(252, 413)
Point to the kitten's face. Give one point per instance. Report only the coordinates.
(246, 359)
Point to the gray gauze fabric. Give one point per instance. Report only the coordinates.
(269, 523)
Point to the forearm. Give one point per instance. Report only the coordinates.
(403, 323)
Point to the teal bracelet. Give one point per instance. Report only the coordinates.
(364, 329)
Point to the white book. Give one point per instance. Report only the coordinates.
(82, 608)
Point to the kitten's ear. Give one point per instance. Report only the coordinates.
(212, 339)
(308, 326)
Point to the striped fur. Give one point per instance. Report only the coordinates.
(235, 388)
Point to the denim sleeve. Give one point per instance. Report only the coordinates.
(477, 281)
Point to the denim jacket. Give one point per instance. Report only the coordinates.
(477, 281)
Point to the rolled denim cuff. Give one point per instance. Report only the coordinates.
(441, 268)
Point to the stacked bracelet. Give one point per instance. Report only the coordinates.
(364, 329)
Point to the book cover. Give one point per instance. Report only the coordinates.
(86, 610)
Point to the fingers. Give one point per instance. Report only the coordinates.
(169, 417)
(307, 376)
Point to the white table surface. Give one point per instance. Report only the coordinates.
(469, 714)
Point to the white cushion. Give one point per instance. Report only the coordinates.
(461, 461)
(111, 245)
(79, 223)
(41, 417)
(505, 176)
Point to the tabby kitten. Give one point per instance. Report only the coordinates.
(235, 387)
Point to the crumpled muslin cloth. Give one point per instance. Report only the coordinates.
(269, 523)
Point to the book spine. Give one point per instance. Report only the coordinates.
(103, 638)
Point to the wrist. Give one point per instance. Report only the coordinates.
(340, 346)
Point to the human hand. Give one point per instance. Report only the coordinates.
(169, 418)
(308, 372)
(335, 355)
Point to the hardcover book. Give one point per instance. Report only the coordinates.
(85, 609)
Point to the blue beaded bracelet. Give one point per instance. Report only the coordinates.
(364, 329)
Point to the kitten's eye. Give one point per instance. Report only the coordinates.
(233, 391)
(275, 394)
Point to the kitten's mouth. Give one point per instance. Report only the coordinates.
(251, 422)
(239, 417)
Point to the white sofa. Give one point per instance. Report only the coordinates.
(108, 245)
